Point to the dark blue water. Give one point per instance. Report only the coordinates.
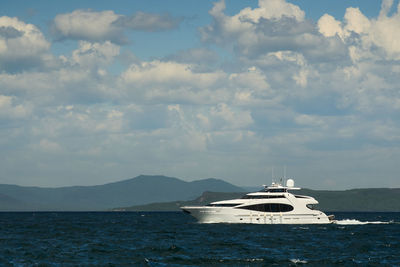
(175, 239)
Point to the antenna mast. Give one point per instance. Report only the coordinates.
(284, 174)
(272, 174)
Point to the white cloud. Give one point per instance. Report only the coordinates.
(253, 79)
(148, 22)
(169, 73)
(88, 25)
(292, 91)
(375, 32)
(385, 7)
(22, 46)
(66, 86)
(244, 22)
(11, 110)
(114, 122)
(273, 26)
(227, 118)
(301, 78)
(329, 26)
(383, 35)
(195, 56)
(94, 54)
(303, 70)
(304, 119)
(170, 81)
(48, 146)
(356, 21)
(107, 26)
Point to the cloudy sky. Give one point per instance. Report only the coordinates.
(96, 92)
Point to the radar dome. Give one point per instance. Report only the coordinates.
(290, 183)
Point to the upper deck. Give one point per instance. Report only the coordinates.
(279, 188)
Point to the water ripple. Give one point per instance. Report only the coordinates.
(175, 239)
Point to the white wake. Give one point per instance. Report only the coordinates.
(357, 222)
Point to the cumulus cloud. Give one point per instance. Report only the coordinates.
(94, 54)
(224, 28)
(329, 26)
(22, 46)
(356, 21)
(194, 56)
(385, 7)
(8, 32)
(245, 20)
(283, 45)
(81, 78)
(273, 26)
(108, 26)
(141, 21)
(377, 32)
(48, 146)
(11, 110)
(170, 81)
(159, 72)
(284, 89)
(88, 25)
(226, 117)
(174, 82)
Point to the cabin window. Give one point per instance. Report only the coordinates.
(279, 190)
(261, 196)
(311, 206)
(280, 196)
(270, 207)
(223, 205)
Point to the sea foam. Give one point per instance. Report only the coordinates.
(357, 222)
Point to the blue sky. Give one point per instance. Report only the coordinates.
(96, 93)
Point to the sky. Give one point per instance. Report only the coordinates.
(98, 92)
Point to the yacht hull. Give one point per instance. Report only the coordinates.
(206, 214)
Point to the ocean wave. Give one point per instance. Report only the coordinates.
(174, 239)
(296, 261)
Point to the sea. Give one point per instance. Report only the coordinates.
(176, 239)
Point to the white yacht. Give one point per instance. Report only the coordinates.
(272, 205)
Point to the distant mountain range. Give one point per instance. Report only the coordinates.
(136, 191)
(363, 200)
(161, 193)
(368, 199)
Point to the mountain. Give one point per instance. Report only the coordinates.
(154, 193)
(204, 199)
(369, 199)
(365, 200)
(136, 191)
